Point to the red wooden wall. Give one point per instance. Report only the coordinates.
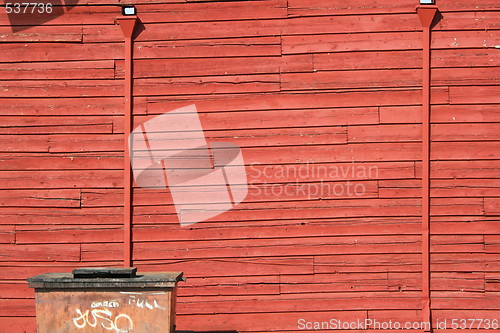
(300, 83)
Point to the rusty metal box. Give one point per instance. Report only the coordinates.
(99, 300)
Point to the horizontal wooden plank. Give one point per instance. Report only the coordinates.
(368, 263)
(15, 252)
(28, 52)
(349, 24)
(196, 11)
(351, 79)
(380, 281)
(42, 34)
(343, 24)
(367, 60)
(492, 206)
(78, 106)
(16, 290)
(492, 243)
(24, 144)
(440, 262)
(469, 226)
(381, 226)
(68, 161)
(54, 125)
(23, 324)
(207, 85)
(469, 20)
(224, 286)
(286, 322)
(465, 150)
(313, 209)
(69, 236)
(299, 101)
(59, 179)
(440, 188)
(441, 281)
(458, 262)
(323, 190)
(167, 11)
(7, 234)
(288, 304)
(325, 7)
(408, 222)
(457, 206)
(493, 260)
(340, 282)
(187, 30)
(213, 48)
(17, 307)
(384, 133)
(61, 216)
(232, 267)
(65, 143)
(269, 118)
(439, 132)
(492, 281)
(489, 301)
(18, 271)
(305, 136)
(457, 243)
(441, 58)
(62, 88)
(105, 251)
(442, 114)
(386, 78)
(296, 63)
(90, 70)
(386, 41)
(321, 209)
(481, 95)
(166, 68)
(462, 169)
(375, 152)
(314, 296)
(454, 77)
(274, 247)
(40, 198)
(464, 57)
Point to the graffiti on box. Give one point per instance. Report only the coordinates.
(114, 315)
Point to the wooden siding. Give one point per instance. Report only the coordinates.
(317, 83)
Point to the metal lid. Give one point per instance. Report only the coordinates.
(105, 278)
(104, 272)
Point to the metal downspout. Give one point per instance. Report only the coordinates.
(127, 25)
(426, 15)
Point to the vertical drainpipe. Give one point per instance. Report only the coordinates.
(127, 25)
(426, 14)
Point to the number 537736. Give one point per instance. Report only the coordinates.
(28, 8)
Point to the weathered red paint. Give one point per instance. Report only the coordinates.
(291, 82)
